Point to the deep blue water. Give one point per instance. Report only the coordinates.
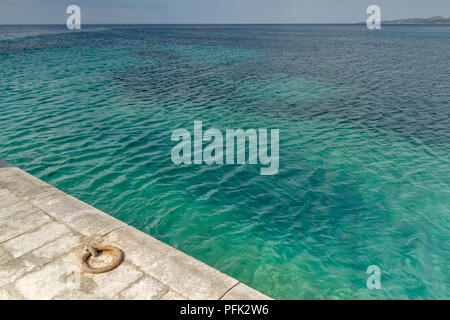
(364, 123)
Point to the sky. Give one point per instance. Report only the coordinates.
(215, 11)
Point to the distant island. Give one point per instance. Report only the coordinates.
(432, 20)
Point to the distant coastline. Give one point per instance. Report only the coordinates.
(432, 20)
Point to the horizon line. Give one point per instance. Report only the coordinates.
(175, 23)
(216, 23)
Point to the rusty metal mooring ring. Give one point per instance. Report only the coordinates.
(118, 257)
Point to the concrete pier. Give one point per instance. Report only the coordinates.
(43, 232)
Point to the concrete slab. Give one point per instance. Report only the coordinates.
(5, 257)
(13, 270)
(146, 288)
(9, 293)
(20, 218)
(7, 198)
(172, 295)
(54, 249)
(184, 274)
(242, 292)
(21, 184)
(6, 171)
(78, 215)
(48, 282)
(63, 278)
(30, 241)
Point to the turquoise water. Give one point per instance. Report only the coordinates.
(364, 124)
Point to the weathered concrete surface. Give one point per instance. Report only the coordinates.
(189, 277)
(146, 288)
(19, 218)
(83, 218)
(43, 232)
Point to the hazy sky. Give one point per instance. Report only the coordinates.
(215, 11)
